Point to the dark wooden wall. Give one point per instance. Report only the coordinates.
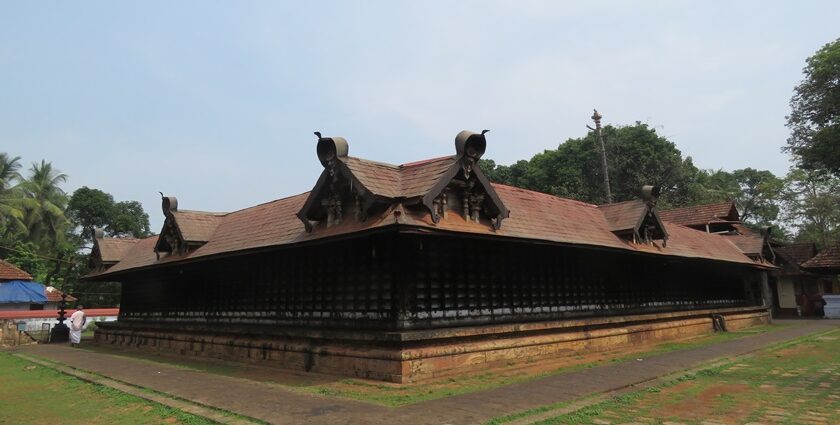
(404, 281)
(457, 281)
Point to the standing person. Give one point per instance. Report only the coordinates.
(77, 324)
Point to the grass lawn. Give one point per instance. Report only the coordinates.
(402, 394)
(794, 383)
(33, 394)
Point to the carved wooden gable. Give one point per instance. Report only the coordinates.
(464, 189)
(95, 262)
(353, 188)
(170, 240)
(338, 193)
(636, 221)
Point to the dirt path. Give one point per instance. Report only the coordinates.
(275, 404)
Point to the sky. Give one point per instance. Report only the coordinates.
(216, 102)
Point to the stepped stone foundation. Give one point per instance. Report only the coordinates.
(417, 355)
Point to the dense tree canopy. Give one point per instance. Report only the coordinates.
(811, 205)
(90, 208)
(45, 232)
(814, 120)
(636, 154)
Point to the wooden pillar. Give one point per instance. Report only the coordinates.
(766, 294)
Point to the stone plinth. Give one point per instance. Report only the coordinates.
(412, 356)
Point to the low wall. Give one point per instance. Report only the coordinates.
(35, 319)
(413, 356)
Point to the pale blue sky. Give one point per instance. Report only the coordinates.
(216, 102)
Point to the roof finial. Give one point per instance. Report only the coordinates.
(318, 133)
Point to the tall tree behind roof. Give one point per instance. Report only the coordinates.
(814, 120)
(89, 208)
(637, 156)
(811, 200)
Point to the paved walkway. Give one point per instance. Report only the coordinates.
(275, 404)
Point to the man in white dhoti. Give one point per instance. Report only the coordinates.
(77, 325)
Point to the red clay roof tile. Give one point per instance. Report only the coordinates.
(699, 215)
(827, 260)
(624, 216)
(197, 226)
(534, 216)
(112, 250)
(798, 253)
(749, 244)
(9, 271)
(54, 295)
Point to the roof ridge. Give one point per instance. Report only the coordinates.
(545, 194)
(215, 213)
(700, 205)
(370, 161)
(619, 203)
(424, 161)
(268, 202)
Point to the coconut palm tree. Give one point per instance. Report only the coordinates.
(43, 204)
(11, 213)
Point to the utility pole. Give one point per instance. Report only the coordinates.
(597, 118)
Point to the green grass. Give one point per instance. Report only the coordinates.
(34, 394)
(783, 384)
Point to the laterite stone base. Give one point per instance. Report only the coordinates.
(413, 356)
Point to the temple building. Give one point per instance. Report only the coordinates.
(426, 269)
(803, 277)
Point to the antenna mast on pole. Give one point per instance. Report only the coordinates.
(597, 118)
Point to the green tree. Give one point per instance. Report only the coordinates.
(810, 201)
(44, 202)
(636, 155)
(129, 219)
(25, 256)
(89, 208)
(11, 212)
(814, 120)
(759, 195)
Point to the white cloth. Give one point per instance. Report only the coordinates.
(77, 325)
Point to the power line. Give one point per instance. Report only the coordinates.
(36, 255)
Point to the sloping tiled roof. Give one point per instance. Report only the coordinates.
(380, 178)
(54, 295)
(827, 260)
(112, 250)
(534, 216)
(9, 271)
(624, 215)
(395, 181)
(749, 244)
(197, 226)
(797, 253)
(699, 215)
(418, 178)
